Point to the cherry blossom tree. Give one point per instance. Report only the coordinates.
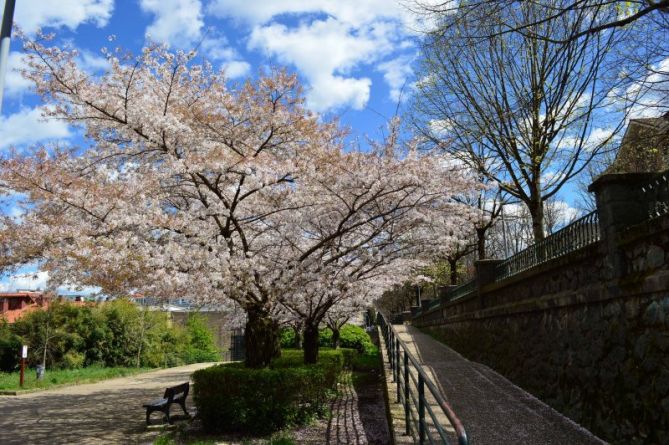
(195, 187)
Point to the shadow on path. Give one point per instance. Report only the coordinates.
(108, 412)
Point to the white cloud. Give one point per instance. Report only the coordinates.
(34, 14)
(396, 72)
(236, 68)
(441, 127)
(25, 281)
(353, 12)
(218, 49)
(27, 127)
(92, 63)
(39, 280)
(15, 84)
(324, 51)
(330, 40)
(177, 22)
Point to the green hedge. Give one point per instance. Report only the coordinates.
(351, 336)
(232, 398)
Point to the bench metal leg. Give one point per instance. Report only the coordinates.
(183, 407)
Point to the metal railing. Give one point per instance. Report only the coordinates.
(420, 418)
(656, 194)
(580, 233)
(462, 291)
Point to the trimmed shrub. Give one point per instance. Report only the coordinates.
(232, 398)
(351, 336)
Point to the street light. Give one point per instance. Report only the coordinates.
(5, 36)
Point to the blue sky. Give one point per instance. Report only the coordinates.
(353, 56)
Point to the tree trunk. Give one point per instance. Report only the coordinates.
(298, 336)
(453, 266)
(536, 208)
(335, 337)
(480, 243)
(261, 338)
(310, 343)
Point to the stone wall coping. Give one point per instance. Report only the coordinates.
(623, 178)
(644, 230)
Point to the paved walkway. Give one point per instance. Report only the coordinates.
(107, 412)
(492, 409)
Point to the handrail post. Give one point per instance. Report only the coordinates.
(406, 394)
(397, 365)
(421, 409)
(391, 355)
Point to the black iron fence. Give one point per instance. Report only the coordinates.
(656, 194)
(582, 232)
(421, 420)
(462, 291)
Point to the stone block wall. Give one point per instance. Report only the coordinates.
(588, 333)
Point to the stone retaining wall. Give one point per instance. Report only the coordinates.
(588, 333)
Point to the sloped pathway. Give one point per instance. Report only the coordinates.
(107, 412)
(492, 409)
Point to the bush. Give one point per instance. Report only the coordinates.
(113, 334)
(73, 360)
(10, 345)
(200, 345)
(232, 398)
(350, 336)
(287, 338)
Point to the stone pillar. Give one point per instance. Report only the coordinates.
(5, 305)
(485, 274)
(620, 204)
(443, 292)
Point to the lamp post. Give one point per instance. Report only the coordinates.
(5, 36)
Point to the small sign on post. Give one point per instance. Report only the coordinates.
(24, 356)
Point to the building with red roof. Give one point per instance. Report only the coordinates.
(14, 304)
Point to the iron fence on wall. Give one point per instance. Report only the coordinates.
(462, 291)
(581, 233)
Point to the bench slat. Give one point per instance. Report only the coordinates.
(157, 402)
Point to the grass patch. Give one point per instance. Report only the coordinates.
(58, 377)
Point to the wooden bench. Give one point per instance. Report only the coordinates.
(175, 394)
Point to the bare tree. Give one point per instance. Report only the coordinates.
(598, 15)
(518, 109)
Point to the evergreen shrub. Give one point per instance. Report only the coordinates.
(233, 398)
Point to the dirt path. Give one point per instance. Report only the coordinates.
(108, 412)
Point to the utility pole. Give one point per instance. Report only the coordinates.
(5, 36)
